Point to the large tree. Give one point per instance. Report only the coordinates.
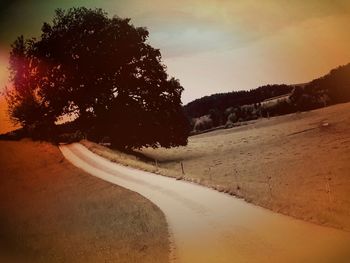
(103, 71)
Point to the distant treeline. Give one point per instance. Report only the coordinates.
(222, 101)
(225, 109)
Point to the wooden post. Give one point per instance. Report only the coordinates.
(269, 184)
(328, 190)
(182, 168)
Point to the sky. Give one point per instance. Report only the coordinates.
(213, 46)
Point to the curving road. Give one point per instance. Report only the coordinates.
(208, 226)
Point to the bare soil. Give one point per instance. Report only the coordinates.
(298, 164)
(51, 211)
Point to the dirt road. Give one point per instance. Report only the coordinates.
(208, 226)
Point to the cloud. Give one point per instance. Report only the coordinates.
(180, 33)
(182, 29)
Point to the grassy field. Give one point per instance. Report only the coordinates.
(297, 164)
(51, 211)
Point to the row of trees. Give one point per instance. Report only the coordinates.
(222, 101)
(101, 72)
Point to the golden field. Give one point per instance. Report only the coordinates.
(297, 164)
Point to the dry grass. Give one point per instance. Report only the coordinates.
(53, 212)
(296, 164)
(136, 160)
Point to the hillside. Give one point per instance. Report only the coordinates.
(270, 100)
(297, 164)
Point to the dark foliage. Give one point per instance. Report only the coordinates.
(222, 101)
(101, 70)
(14, 135)
(330, 89)
(228, 108)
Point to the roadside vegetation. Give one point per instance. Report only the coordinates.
(54, 212)
(295, 164)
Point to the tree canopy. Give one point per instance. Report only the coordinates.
(102, 71)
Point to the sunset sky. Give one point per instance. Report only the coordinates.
(213, 46)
